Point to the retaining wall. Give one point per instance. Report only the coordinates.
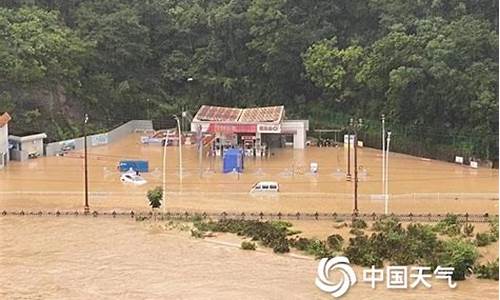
(114, 135)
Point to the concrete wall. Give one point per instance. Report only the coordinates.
(19, 155)
(300, 128)
(102, 138)
(4, 143)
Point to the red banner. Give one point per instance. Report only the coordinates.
(232, 128)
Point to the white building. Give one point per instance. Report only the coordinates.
(253, 127)
(4, 139)
(26, 147)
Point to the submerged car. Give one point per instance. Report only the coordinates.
(265, 186)
(132, 178)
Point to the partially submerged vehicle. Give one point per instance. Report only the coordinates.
(132, 177)
(265, 186)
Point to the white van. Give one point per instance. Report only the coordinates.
(265, 186)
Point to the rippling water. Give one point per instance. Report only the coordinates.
(87, 258)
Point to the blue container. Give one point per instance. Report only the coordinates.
(233, 161)
(136, 165)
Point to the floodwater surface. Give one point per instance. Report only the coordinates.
(415, 185)
(98, 258)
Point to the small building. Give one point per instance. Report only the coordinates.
(255, 129)
(4, 141)
(26, 147)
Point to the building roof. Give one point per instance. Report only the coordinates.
(4, 119)
(262, 114)
(247, 115)
(218, 113)
(28, 138)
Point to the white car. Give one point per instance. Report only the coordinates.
(265, 186)
(132, 178)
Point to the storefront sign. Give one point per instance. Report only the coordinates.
(232, 128)
(269, 128)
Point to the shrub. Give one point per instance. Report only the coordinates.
(356, 231)
(488, 271)
(459, 254)
(318, 249)
(196, 233)
(301, 243)
(359, 224)
(386, 224)
(468, 229)
(154, 197)
(494, 229)
(248, 245)
(334, 242)
(281, 246)
(449, 225)
(482, 239)
(361, 252)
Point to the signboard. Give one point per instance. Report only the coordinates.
(351, 141)
(99, 139)
(459, 159)
(269, 128)
(232, 128)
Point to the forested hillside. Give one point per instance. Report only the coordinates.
(430, 65)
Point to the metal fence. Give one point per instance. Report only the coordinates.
(190, 215)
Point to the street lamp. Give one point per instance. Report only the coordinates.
(387, 174)
(383, 155)
(86, 207)
(180, 147)
(348, 175)
(164, 179)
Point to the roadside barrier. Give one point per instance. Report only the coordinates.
(316, 216)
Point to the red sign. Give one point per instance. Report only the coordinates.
(232, 128)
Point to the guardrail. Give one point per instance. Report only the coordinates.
(316, 216)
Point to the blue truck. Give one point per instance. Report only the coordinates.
(136, 165)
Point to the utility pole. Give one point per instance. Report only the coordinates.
(387, 174)
(180, 147)
(383, 155)
(164, 178)
(200, 150)
(348, 175)
(356, 125)
(86, 207)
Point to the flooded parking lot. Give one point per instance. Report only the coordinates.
(416, 185)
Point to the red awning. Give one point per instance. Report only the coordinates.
(232, 128)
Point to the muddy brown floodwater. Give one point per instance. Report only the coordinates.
(416, 185)
(87, 258)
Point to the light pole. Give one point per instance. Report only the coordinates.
(164, 180)
(86, 207)
(348, 175)
(387, 174)
(180, 147)
(383, 155)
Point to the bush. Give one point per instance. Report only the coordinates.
(459, 254)
(359, 224)
(468, 229)
(482, 239)
(386, 224)
(318, 249)
(300, 244)
(271, 234)
(248, 245)
(154, 197)
(334, 242)
(356, 231)
(494, 229)
(488, 271)
(449, 225)
(196, 233)
(361, 252)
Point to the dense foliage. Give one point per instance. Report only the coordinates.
(430, 66)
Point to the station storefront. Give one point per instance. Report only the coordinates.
(256, 130)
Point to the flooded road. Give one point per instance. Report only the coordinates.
(416, 185)
(87, 258)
